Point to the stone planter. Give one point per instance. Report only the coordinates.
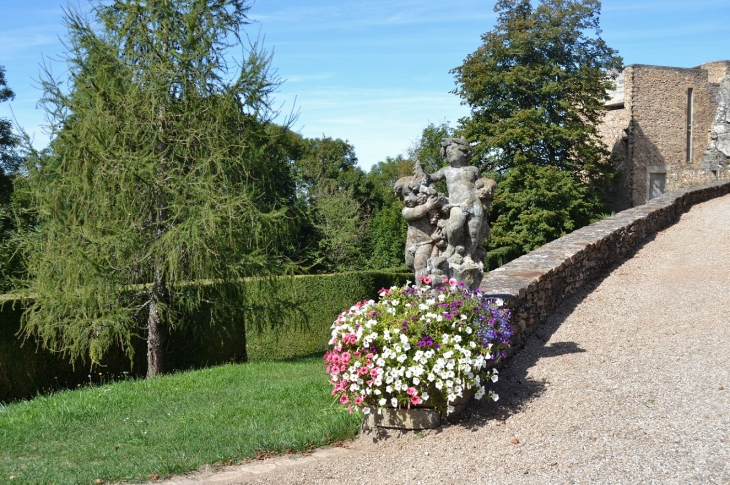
(415, 418)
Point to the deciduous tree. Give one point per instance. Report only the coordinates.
(536, 88)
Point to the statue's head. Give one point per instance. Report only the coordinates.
(406, 189)
(456, 150)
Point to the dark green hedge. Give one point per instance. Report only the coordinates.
(501, 256)
(293, 320)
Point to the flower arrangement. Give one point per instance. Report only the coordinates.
(418, 345)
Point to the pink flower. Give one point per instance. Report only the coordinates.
(344, 399)
(369, 363)
(445, 280)
(427, 280)
(358, 400)
(411, 391)
(357, 354)
(369, 383)
(374, 373)
(420, 278)
(345, 358)
(349, 408)
(362, 371)
(415, 400)
(453, 282)
(369, 355)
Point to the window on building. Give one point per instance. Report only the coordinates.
(689, 124)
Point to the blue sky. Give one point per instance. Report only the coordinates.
(375, 72)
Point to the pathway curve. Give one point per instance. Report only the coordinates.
(627, 383)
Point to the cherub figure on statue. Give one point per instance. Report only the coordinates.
(465, 211)
(422, 212)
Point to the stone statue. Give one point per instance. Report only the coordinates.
(450, 244)
(422, 211)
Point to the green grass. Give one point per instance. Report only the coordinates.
(131, 430)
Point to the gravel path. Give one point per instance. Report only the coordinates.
(627, 383)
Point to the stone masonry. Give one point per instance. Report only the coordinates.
(533, 285)
(658, 127)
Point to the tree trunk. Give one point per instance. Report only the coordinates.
(155, 344)
(156, 328)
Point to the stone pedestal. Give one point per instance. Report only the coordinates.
(416, 418)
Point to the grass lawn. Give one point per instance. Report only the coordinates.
(133, 429)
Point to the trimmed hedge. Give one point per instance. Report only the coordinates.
(501, 256)
(294, 321)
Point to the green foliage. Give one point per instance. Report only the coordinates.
(388, 230)
(128, 431)
(428, 148)
(342, 228)
(281, 318)
(12, 220)
(501, 256)
(317, 300)
(534, 205)
(157, 177)
(536, 89)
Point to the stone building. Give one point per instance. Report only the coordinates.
(667, 128)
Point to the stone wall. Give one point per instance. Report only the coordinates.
(613, 132)
(716, 70)
(534, 285)
(659, 123)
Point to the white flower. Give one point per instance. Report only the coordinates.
(457, 338)
(366, 410)
(439, 318)
(472, 344)
(495, 378)
(431, 301)
(377, 392)
(495, 396)
(445, 338)
(452, 397)
(407, 305)
(449, 354)
(468, 330)
(431, 377)
(463, 317)
(403, 338)
(416, 381)
(388, 389)
(390, 310)
(394, 302)
(386, 335)
(450, 409)
(499, 302)
(479, 394)
(380, 362)
(402, 358)
(439, 385)
(394, 402)
(382, 401)
(441, 297)
(422, 306)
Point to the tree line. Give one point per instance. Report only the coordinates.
(169, 168)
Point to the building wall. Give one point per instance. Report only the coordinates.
(716, 70)
(647, 133)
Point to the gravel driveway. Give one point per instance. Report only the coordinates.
(627, 383)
